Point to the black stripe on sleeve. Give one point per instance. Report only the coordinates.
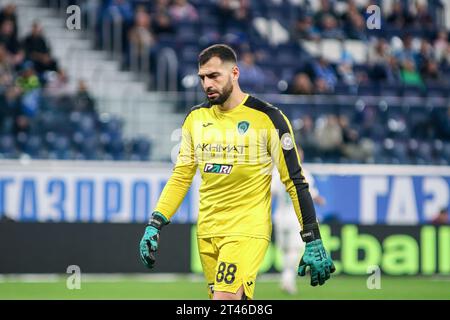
(291, 158)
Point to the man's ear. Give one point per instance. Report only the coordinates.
(235, 73)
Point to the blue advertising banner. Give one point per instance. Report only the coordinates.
(382, 194)
(127, 192)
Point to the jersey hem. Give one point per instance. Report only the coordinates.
(211, 235)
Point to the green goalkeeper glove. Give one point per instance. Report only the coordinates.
(149, 242)
(315, 256)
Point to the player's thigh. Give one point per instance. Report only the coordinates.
(238, 263)
(208, 257)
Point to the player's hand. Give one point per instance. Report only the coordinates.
(318, 261)
(149, 242)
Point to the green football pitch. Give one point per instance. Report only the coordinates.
(174, 287)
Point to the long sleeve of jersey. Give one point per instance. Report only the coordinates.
(285, 155)
(179, 182)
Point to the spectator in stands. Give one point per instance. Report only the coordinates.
(30, 85)
(350, 9)
(378, 59)
(330, 28)
(349, 77)
(22, 125)
(233, 13)
(321, 87)
(442, 217)
(407, 52)
(409, 74)
(432, 75)
(304, 133)
(329, 137)
(28, 80)
(110, 12)
(9, 13)
(399, 17)
(182, 10)
(21, 121)
(242, 15)
(82, 100)
(301, 84)
(427, 65)
(160, 7)
(326, 9)
(355, 26)
(345, 69)
(324, 72)
(353, 22)
(225, 10)
(441, 122)
(162, 21)
(353, 147)
(6, 69)
(12, 95)
(422, 18)
(251, 75)
(123, 8)
(162, 24)
(38, 51)
(393, 71)
(378, 52)
(9, 100)
(424, 55)
(8, 39)
(446, 60)
(35, 43)
(141, 39)
(440, 45)
(304, 29)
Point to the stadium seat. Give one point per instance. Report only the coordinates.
(7, 146)
(33, 146)
(312, 47)
(357, 49)
(331, 50)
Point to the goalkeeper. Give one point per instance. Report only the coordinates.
(234, 139)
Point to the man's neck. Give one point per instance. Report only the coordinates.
(233, 101)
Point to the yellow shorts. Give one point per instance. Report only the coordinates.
(231, 262)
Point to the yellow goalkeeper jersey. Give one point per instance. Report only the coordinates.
(235, 152)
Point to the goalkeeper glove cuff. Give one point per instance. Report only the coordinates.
(310, 232)
(158, 220)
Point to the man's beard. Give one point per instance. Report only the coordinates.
(222, 97)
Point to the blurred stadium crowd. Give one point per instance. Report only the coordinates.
(41, 115)
(284, 48)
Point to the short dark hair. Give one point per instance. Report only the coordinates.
(222, 51)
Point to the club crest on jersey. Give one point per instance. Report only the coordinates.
(243, 127)
(218, 168)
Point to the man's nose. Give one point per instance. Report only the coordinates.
(207, 84)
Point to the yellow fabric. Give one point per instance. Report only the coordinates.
(234, 201)
(232, 262)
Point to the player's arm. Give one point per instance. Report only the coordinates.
(179, 182)
(171, 197)
(285, 155)
(283, 151)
